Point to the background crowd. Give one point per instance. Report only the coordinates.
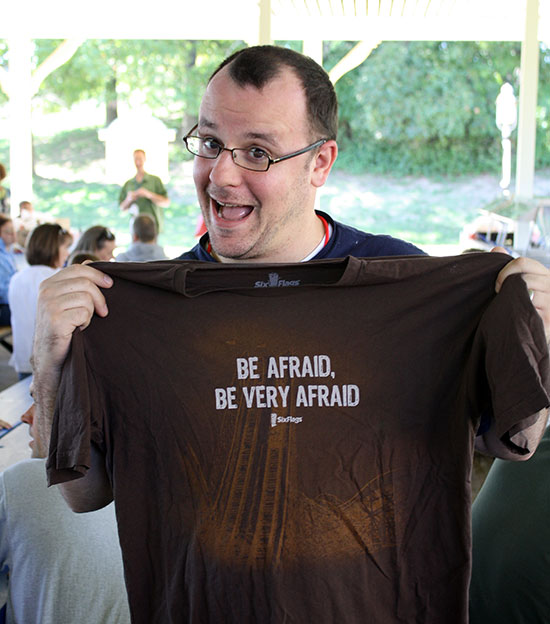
(33, 246)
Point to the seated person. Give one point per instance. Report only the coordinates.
(8, 267)
(56, 565)
(21, 236)
(144, 242)
(99, 241)
(47, 250)
(511, 540)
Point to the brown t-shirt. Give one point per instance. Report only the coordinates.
(293, 443)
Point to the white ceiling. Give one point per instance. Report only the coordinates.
(407, 20)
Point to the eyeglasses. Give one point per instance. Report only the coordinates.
(251, 158)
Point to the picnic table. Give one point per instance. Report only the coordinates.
(14, 442)
(5, 332)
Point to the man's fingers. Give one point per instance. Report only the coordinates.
(72, 310)
(537, 279)
(530, 270)
(76, 288)
(500, 250)
(81, 270)
(66, 300)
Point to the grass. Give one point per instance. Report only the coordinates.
(422, 210)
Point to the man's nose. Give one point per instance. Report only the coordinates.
(28, 416)
(224, 171)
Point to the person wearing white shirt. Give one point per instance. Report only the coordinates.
(47, 250)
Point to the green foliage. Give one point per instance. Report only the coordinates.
(429, 107)
(73, 149)
(3, 65)
(4, 151)
(169, 75)
(410, 108)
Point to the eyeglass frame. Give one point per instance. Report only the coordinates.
(270, 161)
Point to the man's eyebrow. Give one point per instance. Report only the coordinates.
(205, 123)
(263, 136)
(252, 135)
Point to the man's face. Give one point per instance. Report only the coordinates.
(251, 215)
(7, 233)
(106, 252)
(37, 447)
(63, 253)
(139, 159)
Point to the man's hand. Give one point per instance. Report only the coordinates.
(143, 192)
(159, 200)
(537, 278)
(66, 300)
(128, 200)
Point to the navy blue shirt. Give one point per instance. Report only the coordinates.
(344, 241)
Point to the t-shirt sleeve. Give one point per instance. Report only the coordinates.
(510, 364)
(159, 187)
(77, 421)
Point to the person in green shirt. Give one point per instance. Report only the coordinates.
(146, 191)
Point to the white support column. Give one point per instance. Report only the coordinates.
(20, 93)
(529, 74)
(264, 26)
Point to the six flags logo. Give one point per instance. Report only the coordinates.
(274, 282)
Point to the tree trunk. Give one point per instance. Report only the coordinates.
(111, 100)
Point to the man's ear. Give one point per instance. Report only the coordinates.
(322, 163)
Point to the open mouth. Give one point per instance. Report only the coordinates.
(231, 212)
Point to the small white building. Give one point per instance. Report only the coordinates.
(136, 130)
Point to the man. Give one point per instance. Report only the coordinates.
(264, 143)
(57, 566)
(144, 242)
(146, 191)
(28, 219)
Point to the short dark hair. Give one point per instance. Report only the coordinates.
(258, 65)
(94, 238)
(2, 172)
(44, 243)
(78, 257)
(3, 220)
(144, 228)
